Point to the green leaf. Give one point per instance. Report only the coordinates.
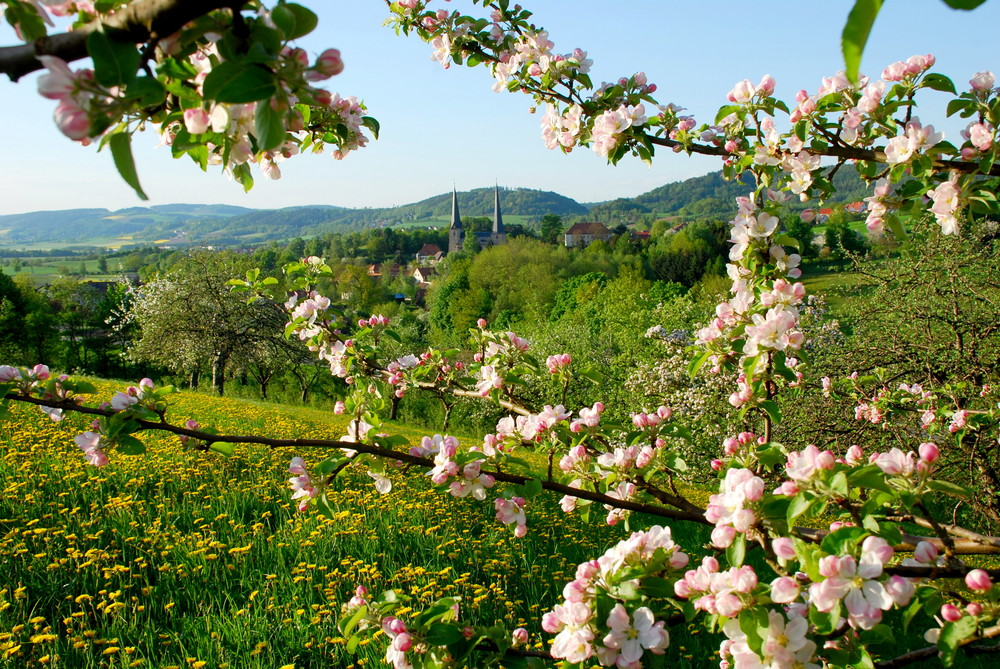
(372, 124)
(956, 106)
(963, 4)
(869, 476)
(28, 19)
(654, 586)
(749, 625)
(939, 82)
(843, 540)
(115, 62)
(896, 226)
(121, 152)
(222, 448)
(323, 504)
(268, 126)
(839, 484)
(769, 457)
(532, 488)
(773, 412)
(348, 626)
(825, 622)
(284, 18)
(856, 32)
(698, 362)
(129, 445)
(83, 388)
(238, 83)
(305, 20)
(951, 635)
(737, 551)
(800, 503)
(726, 111)
(146, 90)
(950, 488)
(442, 634)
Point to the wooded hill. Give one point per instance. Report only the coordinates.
(705, 197)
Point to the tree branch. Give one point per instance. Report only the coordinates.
(932, 651)
(139, 22)
(377, 451)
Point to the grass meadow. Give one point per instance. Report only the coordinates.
(185, 559)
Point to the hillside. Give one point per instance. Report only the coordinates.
(708, 196)
(225, 225)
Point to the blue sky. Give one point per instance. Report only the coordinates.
(448, 127)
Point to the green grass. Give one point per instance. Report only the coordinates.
(179, 557)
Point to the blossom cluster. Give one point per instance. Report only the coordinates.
(632, 629)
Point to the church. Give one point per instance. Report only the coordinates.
(456, 235)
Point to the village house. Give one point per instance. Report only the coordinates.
(377, 270)
(424, 274)
(429, 254)
(584, 234)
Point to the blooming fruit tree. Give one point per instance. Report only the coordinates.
(222, 82)
(805, 566)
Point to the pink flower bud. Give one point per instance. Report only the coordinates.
(784, 548)
(328, 64)
(339, 408)
(716, 465)
(519, 637)
(723, 535)
(978, 580)
(929, 452)
(925, 553)
(951, 613)
(196, 121)
(982, 81)
(481, 323)
(974, 608)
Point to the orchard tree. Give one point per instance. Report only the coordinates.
(187, 321)
(822, 593)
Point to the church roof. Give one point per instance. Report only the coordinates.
(588, 229)
(456, 218)
(497, 216)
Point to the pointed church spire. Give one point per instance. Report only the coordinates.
(497, 216)
(456, 218)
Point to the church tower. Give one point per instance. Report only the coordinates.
(499, 235)
(456, 236)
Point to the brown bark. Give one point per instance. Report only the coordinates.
(142, 21)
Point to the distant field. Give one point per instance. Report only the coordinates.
(89, 244)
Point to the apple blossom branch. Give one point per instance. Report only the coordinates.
(932, 652)
(971, 543)
(140, 21)
(369, 449)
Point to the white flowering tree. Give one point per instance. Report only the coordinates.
(830, 527)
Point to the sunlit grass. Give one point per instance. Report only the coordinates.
(178, 558)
